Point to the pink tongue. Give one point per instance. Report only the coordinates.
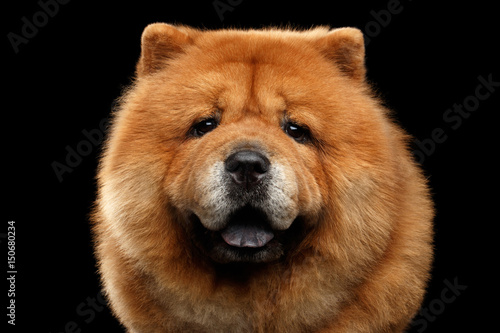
(246, 236)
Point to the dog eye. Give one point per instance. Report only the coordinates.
(296, 132)
(203, 127)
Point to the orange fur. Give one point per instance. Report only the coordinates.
(361, 260)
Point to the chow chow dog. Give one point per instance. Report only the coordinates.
(253, 182)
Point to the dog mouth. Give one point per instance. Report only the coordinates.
(247, 229)
(247, 237)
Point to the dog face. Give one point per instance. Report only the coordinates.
(246, 168)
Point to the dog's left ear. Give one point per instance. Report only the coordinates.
(161, 42)
(345, 47)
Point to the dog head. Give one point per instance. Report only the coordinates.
(245, 134)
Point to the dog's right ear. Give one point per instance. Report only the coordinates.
(159, 43)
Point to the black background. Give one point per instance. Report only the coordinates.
(65, 78)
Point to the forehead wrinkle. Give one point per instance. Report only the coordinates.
(267, 94)
(252, 104)
(242, 95)
(256, 87)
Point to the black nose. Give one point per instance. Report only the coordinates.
(247, 168)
